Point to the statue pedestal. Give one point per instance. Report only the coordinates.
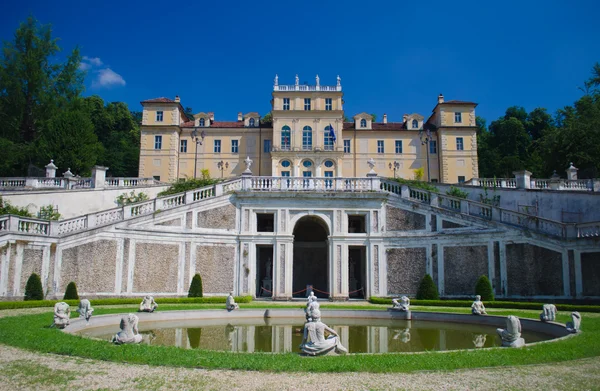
(520, 342)
(399, 314)
(267, 283)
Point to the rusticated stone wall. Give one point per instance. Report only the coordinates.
(90, 265)
(590, 273)
(215, 265)
(533, 270)
(463, 265)
(218, 218)
(405, 270)
(32, 263)
(156, 266)
(403, 220)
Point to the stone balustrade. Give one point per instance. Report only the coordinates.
(33, 183)
(538, 184)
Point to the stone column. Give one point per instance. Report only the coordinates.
(523, 179)
(99, 176)
(572, 172)
(491, 263)
(440, 267)
(566, 274)
(503, 272)
(578, 274)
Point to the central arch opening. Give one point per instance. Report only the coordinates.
(310, 257)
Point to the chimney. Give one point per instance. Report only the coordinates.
(404, 117)
(440, 99)
(385, 118)
(177, 100)
(240, 118)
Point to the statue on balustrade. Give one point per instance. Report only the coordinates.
(548, 313)
(477, 308)
(62, 313)
(231, 304)
(511, 336)
(85, 309)
(148, 304)
(314, 342)
(129, 331)
(575, 323)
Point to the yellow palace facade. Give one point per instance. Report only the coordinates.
(308, 137)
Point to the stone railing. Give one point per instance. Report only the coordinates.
(537, 184)
(301, 87)
(30, 183)
(18, 224)
(309, 184)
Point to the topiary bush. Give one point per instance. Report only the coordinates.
(196, 286)
(33, 288)
(484, 289)
(71, 292)
(427, 289)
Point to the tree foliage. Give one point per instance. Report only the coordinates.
(71, 292)
(195, 286)
(427, 289)
(33, 288)
(484, 289)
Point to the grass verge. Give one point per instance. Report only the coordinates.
(31, 332)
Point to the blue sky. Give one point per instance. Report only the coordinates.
(393, 57)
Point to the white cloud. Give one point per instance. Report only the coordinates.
(93, 61)
(84, 66)
(107, 78)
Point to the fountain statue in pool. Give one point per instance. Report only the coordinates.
(314, 342)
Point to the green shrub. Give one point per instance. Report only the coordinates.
(71, 292)
(7, 209)
(484, 289)
(33, 288)
(188, 184)
(48, 212)
(196, 286)
(131, 198)
(415, 184)
(427, 289)
(456, 192)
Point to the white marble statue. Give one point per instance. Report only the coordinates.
(575, 323)
(248, 163)
(339, 81)
(311, 304)
(276, 82)
(477, 308)
(85, 309)
(403, 304)
(62, 313)
(548, 313)
(231, 304)
(479, 340)
(297, 80)
(318, 81)
(314, 342)
(511, 336)
(148, 304)
(129, 331)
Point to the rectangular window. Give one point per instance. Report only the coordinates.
(434, 180)
(328, 141)
(217, 148)
(183, 146)
(266, 146)
(157, 177)
(461, 179)
(328, 104)
(307, 104)
(265, 222)
(380, 146)
(328, 182)
(159, 116)
(157, 142)
(346, 146)
(398, 146)
(458, 117)
(234, 146)
(285, 173)
(459, 144)
(432, 146)
(286, 103)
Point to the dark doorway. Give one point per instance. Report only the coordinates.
(357, 271)
(310, 257)
(264, 270)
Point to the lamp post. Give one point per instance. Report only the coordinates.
(198, 141)
(425, 137)
(395, 165)
(222, 166)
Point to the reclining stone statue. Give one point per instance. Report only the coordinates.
(477, 308)
(129, 331)
(85, 309)
(231, 304)
(148, 304)
(575, 323)
(62, 313)
(511, 336)
(403, 304)
(314, 342)
(548, 313)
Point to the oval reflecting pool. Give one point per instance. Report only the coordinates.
(285, 334)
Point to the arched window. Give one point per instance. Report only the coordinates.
(307, 138)
(251, 122)
(328, 163)
(285, 138)
(307, 164)
(285, 164)
(363, 123)
(201, 122)
(415, 124)
(328, 138)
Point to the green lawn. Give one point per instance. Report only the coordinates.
(31, 332)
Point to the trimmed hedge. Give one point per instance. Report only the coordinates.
(484, 289)
(33, 288)
(195, 286)
(427, 289)
(71, 292)
(10, 305)
(491, 304)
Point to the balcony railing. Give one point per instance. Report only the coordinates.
(32, 183)
(301, 87)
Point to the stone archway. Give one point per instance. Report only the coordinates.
(311, 257)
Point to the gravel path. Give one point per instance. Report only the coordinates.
(25, 370)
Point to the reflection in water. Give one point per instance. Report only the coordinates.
(285, 335)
